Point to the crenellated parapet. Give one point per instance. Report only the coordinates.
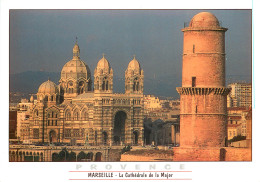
(202, 91)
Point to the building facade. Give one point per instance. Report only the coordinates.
(240, 95)
(12, 124)
(237, 122)
(74, 113)
(23, 119)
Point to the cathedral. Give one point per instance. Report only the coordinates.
(74, 113)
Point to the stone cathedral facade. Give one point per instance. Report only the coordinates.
(75, 113)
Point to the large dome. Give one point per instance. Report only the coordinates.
(204, 19)
(75, 68)
(134, 65)
(48, 87)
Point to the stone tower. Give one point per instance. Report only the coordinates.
(103, 77)
(203, 95)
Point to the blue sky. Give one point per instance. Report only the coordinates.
(43, 39)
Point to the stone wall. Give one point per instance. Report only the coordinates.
(114, 155)
(241, 144)
(212, 154)
(18, 152)
(147, 155)
(196, 154)
(238, 154)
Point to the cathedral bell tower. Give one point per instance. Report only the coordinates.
(134, 76)
(103, 77)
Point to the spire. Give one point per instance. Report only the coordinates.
(103, 55)
(134, 56)
(76, 50)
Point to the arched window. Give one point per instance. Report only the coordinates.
(105, 84)
(136, 85)
(81, 87)
(70, 87)
(97, 86)
(61, 90)
(68, 115)
(36, 113)
(84, 115)
(35, 117)
(76, 115)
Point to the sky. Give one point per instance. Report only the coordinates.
(42, 40)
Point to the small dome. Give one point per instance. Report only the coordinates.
(48, 87)
(134, 65)
(204, 19)
(31, 99)
(103, 63)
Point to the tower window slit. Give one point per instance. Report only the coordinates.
(106, 85)
(103, 85)
(193, 84)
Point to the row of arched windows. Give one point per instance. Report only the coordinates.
(69, 90)
(136, 85)
(52, 118)
(52, 123)
(50, 98)
(76, 115)
(104, 84)
(70, 87)
(74, 133)
(52, 114)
